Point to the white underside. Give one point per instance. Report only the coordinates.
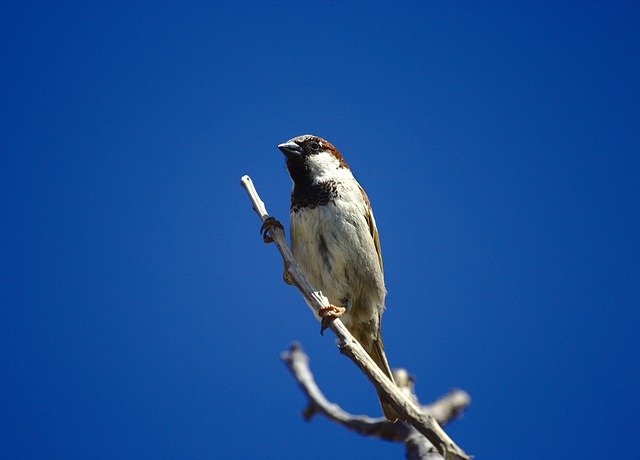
(348, 271)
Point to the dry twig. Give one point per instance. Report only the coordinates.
(417, 447)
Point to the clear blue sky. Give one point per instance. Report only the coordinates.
(142, 317)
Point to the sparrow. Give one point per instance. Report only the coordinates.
(335, 242)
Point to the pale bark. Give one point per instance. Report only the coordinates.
(417, 447)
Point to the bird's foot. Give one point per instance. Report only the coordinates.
(267, 225)
(328, 314)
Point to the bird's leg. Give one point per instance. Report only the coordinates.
(328, 314)
(267, 225)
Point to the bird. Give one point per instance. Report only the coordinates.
(334, 240)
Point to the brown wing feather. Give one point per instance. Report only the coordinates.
(372, 226)
(376, 349)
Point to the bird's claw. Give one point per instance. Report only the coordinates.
(328, 314)
(267, 225)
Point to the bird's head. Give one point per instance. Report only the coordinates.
(311, 158)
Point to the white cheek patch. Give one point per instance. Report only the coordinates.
(325, 167)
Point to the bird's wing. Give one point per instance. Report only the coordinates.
(372, 225)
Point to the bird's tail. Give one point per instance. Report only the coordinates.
(376, 351)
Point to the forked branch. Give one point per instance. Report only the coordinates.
(417, 446)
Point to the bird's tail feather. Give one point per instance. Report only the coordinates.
(377, 354)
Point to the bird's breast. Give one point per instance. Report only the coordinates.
(335, 250)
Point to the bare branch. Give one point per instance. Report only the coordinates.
(425, 423)
(297, 362)
(417, 447)
(315, 299)
(449, 407)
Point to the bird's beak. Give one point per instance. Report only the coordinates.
(290, 149)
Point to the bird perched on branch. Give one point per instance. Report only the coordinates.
(335, 241)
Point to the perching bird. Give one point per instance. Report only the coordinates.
(335, 241)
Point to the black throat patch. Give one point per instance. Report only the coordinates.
(308, 196)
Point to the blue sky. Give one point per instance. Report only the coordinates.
(142, 315)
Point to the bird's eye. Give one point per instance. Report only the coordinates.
(314, 146)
